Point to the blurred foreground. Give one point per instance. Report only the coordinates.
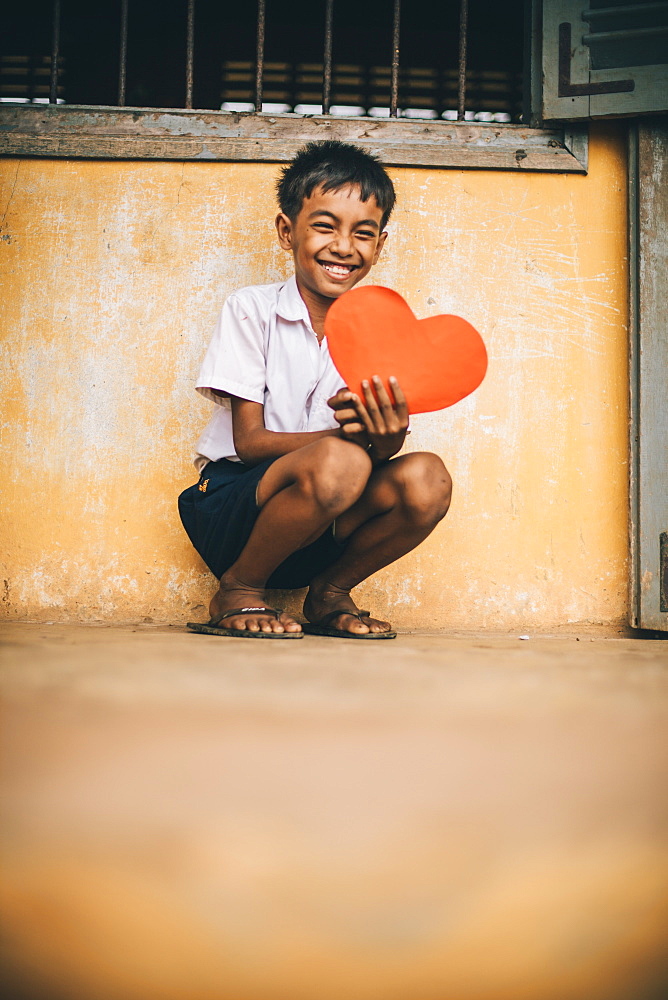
(436, 818)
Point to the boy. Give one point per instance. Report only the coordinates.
(298, 484)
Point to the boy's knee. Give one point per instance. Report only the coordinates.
(338, 473)
(425, 487)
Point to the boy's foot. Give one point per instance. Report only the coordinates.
(323, 602)
(232, 594)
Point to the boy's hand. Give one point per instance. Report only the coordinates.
(346, 405)
(381, 423)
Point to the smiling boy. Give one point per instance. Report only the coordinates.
(299, 486)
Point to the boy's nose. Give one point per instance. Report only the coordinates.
(342, 245)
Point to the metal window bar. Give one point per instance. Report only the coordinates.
(461, 91)
(55, 53)
(327, 59)
(259, 54)
(394, 81)
(123, 54)
(190, 52)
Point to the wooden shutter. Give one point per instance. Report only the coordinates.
(603, 58)
(648, 211)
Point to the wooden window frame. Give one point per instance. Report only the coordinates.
(80, 132)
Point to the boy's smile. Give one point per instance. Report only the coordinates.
(338, 271)
(335, 241)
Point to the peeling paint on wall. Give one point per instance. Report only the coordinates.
(113, 274)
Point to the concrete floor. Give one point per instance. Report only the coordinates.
(435, 818)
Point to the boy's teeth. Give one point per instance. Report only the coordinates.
(336, 269)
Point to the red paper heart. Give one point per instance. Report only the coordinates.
(373, 331)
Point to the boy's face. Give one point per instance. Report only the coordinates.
(335, 241)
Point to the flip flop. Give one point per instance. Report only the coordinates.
(213, 628)
(322, 627)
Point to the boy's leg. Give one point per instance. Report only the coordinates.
(402, 503)
(300, 495)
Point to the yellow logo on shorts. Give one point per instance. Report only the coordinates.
(203, 486)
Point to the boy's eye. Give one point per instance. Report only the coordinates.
(367, 234)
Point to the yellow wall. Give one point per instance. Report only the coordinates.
(112, 276)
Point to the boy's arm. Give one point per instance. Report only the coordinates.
(253, 443)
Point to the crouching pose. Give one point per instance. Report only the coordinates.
(299, 484)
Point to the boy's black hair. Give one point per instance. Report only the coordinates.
(332, 165)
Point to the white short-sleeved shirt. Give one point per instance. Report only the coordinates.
(264, 349)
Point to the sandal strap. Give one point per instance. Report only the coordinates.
(329, 618)
(275, 612)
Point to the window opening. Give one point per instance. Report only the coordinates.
(432, 59)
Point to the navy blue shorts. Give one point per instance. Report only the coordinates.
(219, 512)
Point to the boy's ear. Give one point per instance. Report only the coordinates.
(284, 230)
(380, 245)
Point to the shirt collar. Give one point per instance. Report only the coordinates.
(291, 305)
